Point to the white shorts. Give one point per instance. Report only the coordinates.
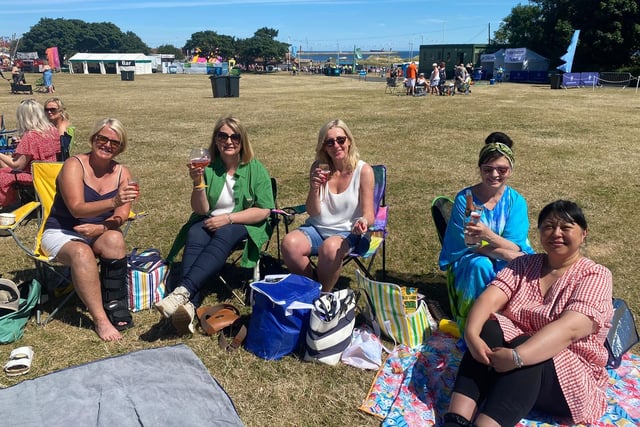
(54, 239)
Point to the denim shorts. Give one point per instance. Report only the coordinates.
(359, 244)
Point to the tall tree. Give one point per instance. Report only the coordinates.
(210, 41)
(72, 35)
(262, 45)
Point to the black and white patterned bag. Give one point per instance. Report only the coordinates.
(331, 326)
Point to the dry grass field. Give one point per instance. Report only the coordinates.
(578, 144)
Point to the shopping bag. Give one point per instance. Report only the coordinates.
(281, 306)
(365, 350)
(146, 278)
(14, 320)
(331, 324)
(403, 320)
(623, 333)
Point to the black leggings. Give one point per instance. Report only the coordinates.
(508, 397)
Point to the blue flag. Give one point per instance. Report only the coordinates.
(571, 50)
(294, 51)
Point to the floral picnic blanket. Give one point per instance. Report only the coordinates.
(413, 386)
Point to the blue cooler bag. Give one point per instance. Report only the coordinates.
(281, 306)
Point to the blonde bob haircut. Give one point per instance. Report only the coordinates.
(246, 152)
(321, 154)
(116, 126)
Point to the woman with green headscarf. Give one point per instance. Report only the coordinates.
(496, 237)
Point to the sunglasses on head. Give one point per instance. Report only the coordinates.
(51, 110)
(502, 170)
(330, 142)
(236, 138)
(102, 140)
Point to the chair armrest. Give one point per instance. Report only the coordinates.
(21, 213)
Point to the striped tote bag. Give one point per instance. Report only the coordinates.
(147, 273)
(402, 320)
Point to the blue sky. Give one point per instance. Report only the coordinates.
(310, 24)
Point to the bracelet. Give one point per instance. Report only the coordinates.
(516, 359)
(229, 218)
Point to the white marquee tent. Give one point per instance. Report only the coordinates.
(519, 59)
(142, 64)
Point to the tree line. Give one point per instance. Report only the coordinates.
(72, 36)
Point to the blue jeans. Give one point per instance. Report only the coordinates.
(205, 253)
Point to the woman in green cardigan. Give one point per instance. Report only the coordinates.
(234, 205)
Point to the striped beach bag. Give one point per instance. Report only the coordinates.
(401, 318)
(146, 278)
(331, 324)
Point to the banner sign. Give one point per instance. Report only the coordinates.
(515, 56)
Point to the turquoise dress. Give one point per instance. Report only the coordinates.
(468, 272)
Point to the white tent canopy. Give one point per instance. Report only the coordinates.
(519, 59)
(143, 63)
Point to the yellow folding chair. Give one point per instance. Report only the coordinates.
(47, 270)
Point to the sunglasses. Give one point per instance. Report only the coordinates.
(51, 110)
(102, 140)
(502, 170)
(236, 138)
(330, 142)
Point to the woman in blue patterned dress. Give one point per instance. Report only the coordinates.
(501, 232)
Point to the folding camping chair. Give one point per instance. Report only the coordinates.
(440, 212)
(48, 272)
(234, 258)
(377, 231)
(392, 85)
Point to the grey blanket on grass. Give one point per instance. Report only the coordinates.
(166, 386)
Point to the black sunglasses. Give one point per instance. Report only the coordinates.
(330, 142)
(236, 138)
(51, 110)
(102, 140)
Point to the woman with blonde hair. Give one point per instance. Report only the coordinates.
(92, 202)
(57, 114)
(232, 206)
(37, 140)
(339, 204)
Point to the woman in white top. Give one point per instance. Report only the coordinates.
(340, 208)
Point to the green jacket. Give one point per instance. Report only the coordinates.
(252, 189)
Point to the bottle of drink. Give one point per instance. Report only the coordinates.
(472, 215)
(469, 208)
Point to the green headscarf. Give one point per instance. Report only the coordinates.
(496, 147)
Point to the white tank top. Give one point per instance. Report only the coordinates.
(339, 211)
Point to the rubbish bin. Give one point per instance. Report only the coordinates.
(127, 75)
(556, 81)
(219, 86)
(234, 86)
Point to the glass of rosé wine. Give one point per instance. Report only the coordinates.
(200, 158)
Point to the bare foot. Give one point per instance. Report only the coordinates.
(107, 332)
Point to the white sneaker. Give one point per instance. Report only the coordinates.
(182, 319)
(171, 302)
